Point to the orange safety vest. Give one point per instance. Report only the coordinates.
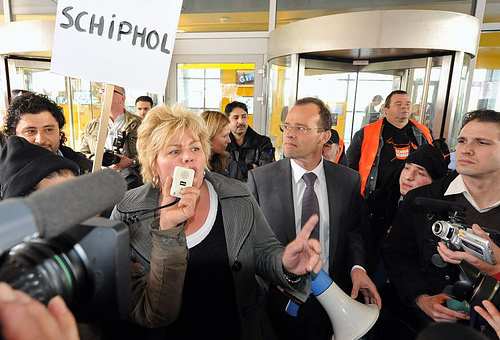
(341, 149)
(369, 147)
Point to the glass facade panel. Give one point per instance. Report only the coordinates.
(337, 89)
(277, 106)
(492, 11)
(80, 99)
(461, 110)
(485, 90)
(212, 86)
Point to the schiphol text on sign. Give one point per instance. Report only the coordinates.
(95, 24)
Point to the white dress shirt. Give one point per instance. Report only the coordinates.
(457, 186)
(115, 128)
(298, 188)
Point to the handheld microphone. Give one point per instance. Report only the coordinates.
(51, 211)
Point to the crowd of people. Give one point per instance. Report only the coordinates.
(225, 259)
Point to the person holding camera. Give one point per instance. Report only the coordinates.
(414, 258)
(202, 252)
(120, 141)
(23, 318)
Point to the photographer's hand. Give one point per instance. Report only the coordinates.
(183, 210)
(433, 307)
(124, 163)
(491, 314)
(23, 318)
(455, 257)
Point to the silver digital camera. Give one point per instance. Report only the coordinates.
(458, 236)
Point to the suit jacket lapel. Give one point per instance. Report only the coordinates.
(335, 202)
(283, 200)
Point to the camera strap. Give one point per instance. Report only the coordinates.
(140, 216)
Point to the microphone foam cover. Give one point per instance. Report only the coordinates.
(60, 207)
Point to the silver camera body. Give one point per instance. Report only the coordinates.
(461, 237)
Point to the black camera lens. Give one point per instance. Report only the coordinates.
(474, 287)
(109, 158)
(44, 269)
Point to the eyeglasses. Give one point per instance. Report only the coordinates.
(300, 129)
(101, 91)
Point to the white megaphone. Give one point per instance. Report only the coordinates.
(350, 319)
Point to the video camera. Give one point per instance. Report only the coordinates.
(109, 157)
(460, 236)
(66, 251)
(475, 287)
(455, 234)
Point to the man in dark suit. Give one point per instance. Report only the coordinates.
(279, 188)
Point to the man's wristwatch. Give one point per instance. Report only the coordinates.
(292, 278)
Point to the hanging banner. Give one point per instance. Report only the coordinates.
(128, 43)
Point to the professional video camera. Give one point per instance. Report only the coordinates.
(454, 232)
(475, 287)
(109, 157)
(66, 251)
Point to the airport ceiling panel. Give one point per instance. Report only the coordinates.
(25, 7)
(218, 6)
(286, 5)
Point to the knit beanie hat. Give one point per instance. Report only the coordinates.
(23, 165)
(433, 157)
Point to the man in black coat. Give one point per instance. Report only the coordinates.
(248, 149)
(40, 121)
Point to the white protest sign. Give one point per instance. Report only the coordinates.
(128, 43)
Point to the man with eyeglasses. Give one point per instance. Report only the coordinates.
(248, 149)
(380, 148)
(122, 130)
(281, 190)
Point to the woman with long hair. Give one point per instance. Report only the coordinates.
(218, 128)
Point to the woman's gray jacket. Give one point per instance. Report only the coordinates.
(160, 257)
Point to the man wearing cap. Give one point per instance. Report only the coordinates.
(414, 256)
(422, 167)
(25, 167)
(40, 121)
(380, 148)
(333, 150)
